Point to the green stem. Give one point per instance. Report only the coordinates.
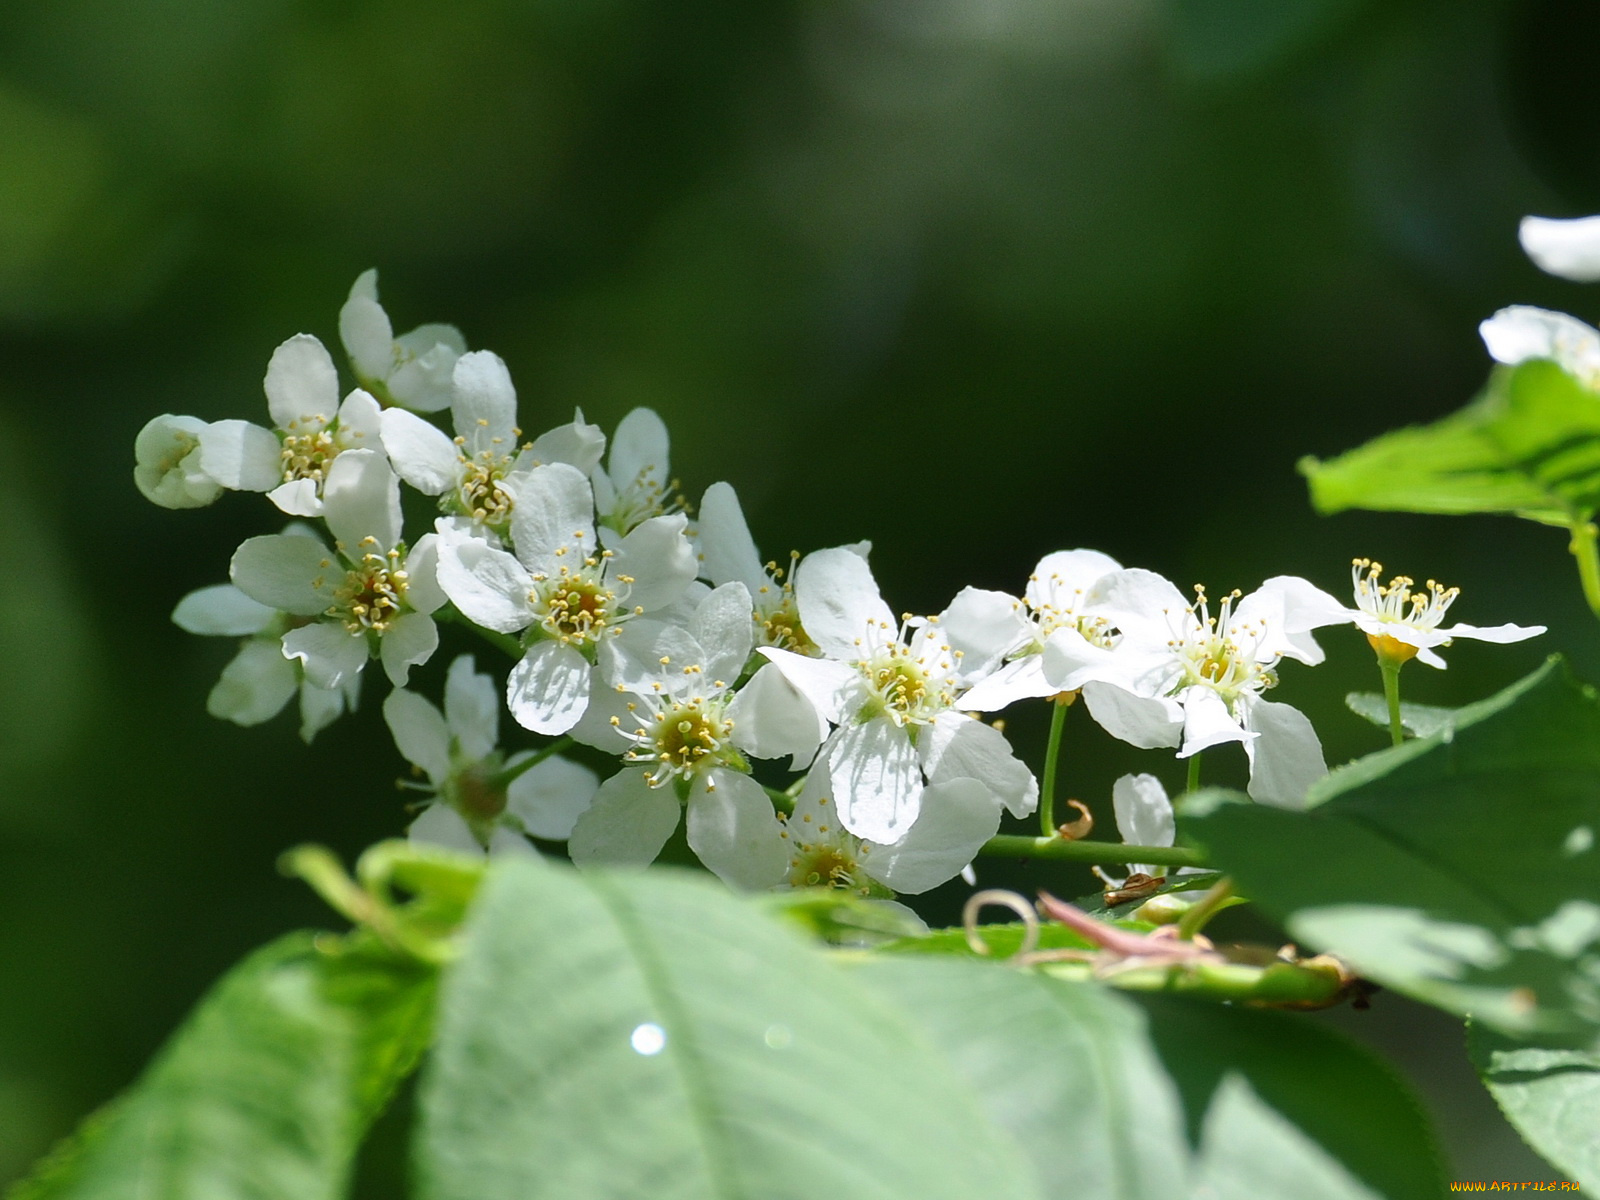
(1052, 758)
(521, 766)
(1583, 549)
(1104, 853)
(501, 641)
(1203, 909)
(1194, 778)
(781, 800)
(1391, 692)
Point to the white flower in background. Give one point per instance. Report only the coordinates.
(1144, 818)
(561, 588)
(469, 473)
(368, 596)
(634, 484)
(259, 681)
(679, 724)
(891, 694)
(1402, 624)
(1180, 676)
(167, 463)
(412, 370)
(473, 806)
(955, 820)
(1522, 332)
(1002, 638)
(1568, 248)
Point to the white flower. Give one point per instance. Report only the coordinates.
(634, 485)
(1144, 818)
(259, 680)
(681, 723)
(412, 370)
(469, 473)
(167, 463)
(891, 694)
(1001, 638)
(955, 820)
(1180, 676)
(367, 597)
(1402, 624)
(1522, 332)
(561, 587)
(472, 803)
(291, 462)
(1568, 248)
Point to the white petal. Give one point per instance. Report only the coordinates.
(722, 627)
(1207, 721)
(365, 330)
(727, 552)
(1136, 597)
(1285, 756)
(298, 498)
(649, 657)
(578, 444)
(832, 687)
(420, 733)
(839, 604)
(1570, 248)
(627, 824)
(548, 799)
(1020, 680)
(1520, 332)
(421, 453)
(733, 829)
(876, 783)
(1149, 722)
(554, 508)
(360, 422)
(1429, 658)
(488, 585)
(485, 403)
(221, 611)
(361, 500)
(658, 558)
(1062, 580)
(639, 451)
(956, 746)
(328, 651)
(302, 386)
(255, 685)
(549, 688)
(423, 592)
(167, 466)
(408, 642)
(984, 626)
(422, 381)
(1071, 660)
(771, 718)
(594, 728)
(1143, 811)
(957, 818)
(288, 572)
(471, 708)
(241, 456)
(321, 707)
(1494, 633)
(441, 825)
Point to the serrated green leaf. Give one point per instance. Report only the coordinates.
(652, 1035)
(1530, 445)
(266, 1090)
(1460, 868)
(1114, 1098)
(1422, 720)
(1550, 1093)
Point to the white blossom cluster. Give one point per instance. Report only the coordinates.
(710, 675)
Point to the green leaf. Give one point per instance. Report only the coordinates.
(1458, 868)
(1529, 445)
(1121, 1099)
(1551, 1094)
(615, 1035)
(266, 1090)
(1422, 720)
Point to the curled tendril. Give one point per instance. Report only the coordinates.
(1018, 904)
(1072, 831)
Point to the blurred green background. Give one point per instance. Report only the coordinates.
(975, 279)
